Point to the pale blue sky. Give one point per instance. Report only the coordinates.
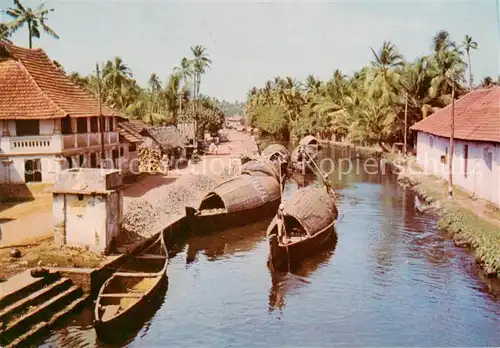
(250, 42)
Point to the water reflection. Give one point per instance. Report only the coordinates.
(224, 244)
(299, 275)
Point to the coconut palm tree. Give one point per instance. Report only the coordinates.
(35, 18)
(154, 83)
(487, 82)
(200, 63)
(383, 77)
(185, 72)
(114, 74)
(469, 44)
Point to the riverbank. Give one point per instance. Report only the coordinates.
(472, 223)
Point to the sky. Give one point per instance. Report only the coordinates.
(250, 42)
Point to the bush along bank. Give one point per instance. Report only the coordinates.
(479, 233)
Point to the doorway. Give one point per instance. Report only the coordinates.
(33, 170)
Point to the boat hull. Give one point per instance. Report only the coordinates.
(218, 222)
(282, 257)
(119, 327)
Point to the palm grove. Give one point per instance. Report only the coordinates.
(368, 107)
(179, 98)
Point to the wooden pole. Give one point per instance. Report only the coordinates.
(101, 123)
(406, 125)
(452, 135)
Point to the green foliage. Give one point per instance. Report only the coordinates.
(270, 119)
(368, 107)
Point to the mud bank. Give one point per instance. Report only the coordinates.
(473, 224)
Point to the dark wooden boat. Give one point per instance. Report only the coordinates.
(304, 224)
(277, 154)
(241, 200)
(305, 153)
(129, 290)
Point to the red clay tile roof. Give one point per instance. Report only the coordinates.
(477, 117)
(130, 131)
(33, 87)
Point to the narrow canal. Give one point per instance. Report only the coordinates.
(392, 279)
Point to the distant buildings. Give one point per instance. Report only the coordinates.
(476, 161)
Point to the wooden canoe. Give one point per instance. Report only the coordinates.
(309, 218)
(238, 201)
(129, 290)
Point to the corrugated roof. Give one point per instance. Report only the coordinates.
(32, 87)
(477, 117)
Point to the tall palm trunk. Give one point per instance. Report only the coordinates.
(29, 32)
(470, 70)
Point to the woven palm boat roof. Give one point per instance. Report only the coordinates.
(308, 140)
(245, 192)
(276, 149)
(311, 150)
(313, 208)
(259, 168)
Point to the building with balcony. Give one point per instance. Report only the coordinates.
(47, 123)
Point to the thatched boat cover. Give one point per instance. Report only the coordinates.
(308, 140)
(276, 149)
(260, 168)
(246, 192)
(311, 150)
(313, 208)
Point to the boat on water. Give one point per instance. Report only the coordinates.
(305, 153)
(246, 198)
(304, 224)
(130, 290)
(277, 154)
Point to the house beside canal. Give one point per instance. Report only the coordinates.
(476, 160)
(47, 123)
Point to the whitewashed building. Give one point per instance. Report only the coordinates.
(476, 160)
(47, 123)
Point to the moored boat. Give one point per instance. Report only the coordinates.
(303, 157)
(246, 198)
(130, 289)
(304, 223)
(277, 154)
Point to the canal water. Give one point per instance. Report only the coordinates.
(392, 279)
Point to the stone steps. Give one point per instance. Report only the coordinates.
(35, 308)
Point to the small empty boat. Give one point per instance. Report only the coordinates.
(304, 223)
(130, 289)
(249, 197)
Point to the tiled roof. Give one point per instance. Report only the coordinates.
(33, 87)
(477, 117)
(130, 131)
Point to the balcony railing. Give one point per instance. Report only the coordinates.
(32, 143)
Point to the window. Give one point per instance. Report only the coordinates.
(81, 161)
(466, 159)
(132, 147)
(80, 197)
(81, 125)
(69, 160)
(121, 151)
(32, 170)
(27, 127)
(431, 142)
(114, 154)
(488, 158)
(94, 124)
(445, 156)
(66, 126)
